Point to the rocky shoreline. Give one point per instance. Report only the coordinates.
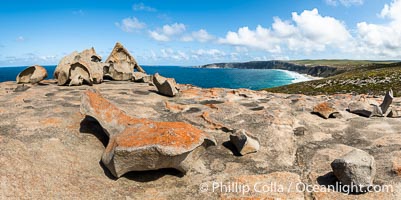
(317, 71)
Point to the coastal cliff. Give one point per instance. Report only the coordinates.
(318, 70)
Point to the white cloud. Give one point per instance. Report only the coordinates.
(130, 24)
(261, 38)
(159, 36)
(329, 30)
(208, 54)
(300, 34)
(173, 54)
(30, 59)
(346, 3)
(20, 39)
(202, 35)
(383, 40)
(167, 31)
(392, 11)
(241, 49)
(187, 38)
(173, 29)
(143, 7)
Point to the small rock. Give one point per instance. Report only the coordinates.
(388, 99)
(325, 110)
(395, 112)
(244, 142)
(356, 168)
(32, 74)
(142, 77)
(299, 131)
(360, 108)
(165, 86)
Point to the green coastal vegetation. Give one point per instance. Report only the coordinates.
(355, 76)
(337, 76)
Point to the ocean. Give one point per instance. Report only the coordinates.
(207, 78)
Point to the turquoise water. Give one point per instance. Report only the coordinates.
(207, 78)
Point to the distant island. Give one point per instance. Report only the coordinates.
(339, 76)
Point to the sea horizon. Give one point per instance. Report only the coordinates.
(231, 78)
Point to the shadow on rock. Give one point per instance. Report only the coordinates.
(21, 88)
(106, 171)
(152, 175)
(43, 84)
(232, 148)
(90, 125)
(331, 182)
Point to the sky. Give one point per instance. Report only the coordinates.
(197, 32)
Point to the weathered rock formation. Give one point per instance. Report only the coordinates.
(78, 68)
(372, 109)
(244, 142)
(165, 86)
(121, 64)
(32, 74)
(356, 169)
(325, 110)
(141, 144)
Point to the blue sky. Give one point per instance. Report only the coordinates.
(177, 32)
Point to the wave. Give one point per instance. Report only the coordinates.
(297, 77)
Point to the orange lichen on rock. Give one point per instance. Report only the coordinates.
(325, 110)
(214, 125)
(204, 93)
(100, 105)
(51, 121)
(174, 107)
(396, 163)
(213, 106)
(167, 134)
(192, 92)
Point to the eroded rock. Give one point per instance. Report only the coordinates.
(356, 168)
(165, 86)
(244, 142)
(141, 144)
(78, 68)
(121, 64)
(141, 77)
(360, 108)
(366, 109)
(32, 74)
(388, 99)
(325, 110)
